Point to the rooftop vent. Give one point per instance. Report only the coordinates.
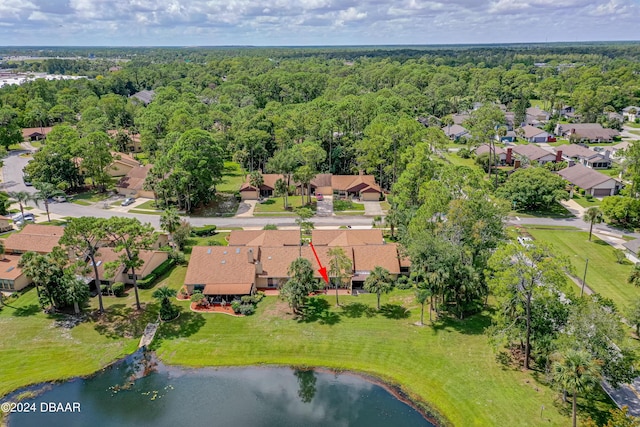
(237, 250)
(223, 262)
(209, 251)
(10, 268)
(225, 252)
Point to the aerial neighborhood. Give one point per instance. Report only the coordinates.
(426, 217)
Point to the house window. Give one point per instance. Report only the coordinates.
(272, 283)
(198, 288)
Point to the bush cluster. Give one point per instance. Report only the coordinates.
(118, 289)
(205, 230)
(150, 280)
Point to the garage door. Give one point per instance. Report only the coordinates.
(601, 192)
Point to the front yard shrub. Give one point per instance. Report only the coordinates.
(247, 299)
(118, 289)
(247, 309)
(205, 230)
(235, 306)
(403, 283)
(197, 297)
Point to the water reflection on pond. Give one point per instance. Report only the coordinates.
(141, 392)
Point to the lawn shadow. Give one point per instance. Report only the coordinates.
(122, 321)
(318, 310)
(475, 324)
(356, 310)
(394, 311)
(268, 202)
(187, 324)
(26, 311)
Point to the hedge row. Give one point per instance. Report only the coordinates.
(205, 230)
(149, 281)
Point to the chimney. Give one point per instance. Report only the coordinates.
(509, 154)
(558, 156)
(250, 255)
(607, 154)
(258, 267)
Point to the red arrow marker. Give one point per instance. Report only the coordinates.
(322, 270)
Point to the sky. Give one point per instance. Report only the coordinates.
(312, 22)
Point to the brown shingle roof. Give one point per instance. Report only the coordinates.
(106, 254)
(532, 152)
(269, 182)
(484, 148)
(346, 182)
(368, 257)
(34, 237)
(346, 237)
(264, 238)
(531, 131)
(583, 177)
(135, 178)
(124, 159)
(27, 132)
(9, 269)
(213, 265)
(276, 260)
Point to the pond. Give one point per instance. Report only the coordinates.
(140, 391)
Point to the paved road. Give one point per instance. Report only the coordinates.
(12, 172)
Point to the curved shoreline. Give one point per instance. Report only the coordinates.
(396, 390)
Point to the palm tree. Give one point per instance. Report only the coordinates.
(167, 310)
(576, 372)
(22, 198)
(422, 296)
(170, 221)
(378, 282)
(46, 191)
(281, 189)
(592, 215)
(256, 180)
(77, 292)
(340, 267)
(634, 276)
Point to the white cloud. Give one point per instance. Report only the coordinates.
(287, 22)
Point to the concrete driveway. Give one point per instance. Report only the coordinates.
(324, 207)
(372, 209)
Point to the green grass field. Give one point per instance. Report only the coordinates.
(456, 160)
(604, 275)
(276, 205)
(450, 366)
(582, 201)
(555, 211)
(346, 205)
(232, 179)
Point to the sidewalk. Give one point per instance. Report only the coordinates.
(573, 207)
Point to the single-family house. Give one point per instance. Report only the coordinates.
(585, 156)
(536, 116)
(531, 153)
(510, 136)
(36, 134)
(106, 256)
(223, 271)
(132, 142)
(360, 186)
(132, 184)
(11, 276)
(460, 118)
(619, 149)
(455, 132)
(586, 132)
(34, 237)
(631, 113)
(349, 237)
(633, 250)
(500, 152)
(264, 238)
(144, 96)
(534, 134)
(121, 165)
(592, 182)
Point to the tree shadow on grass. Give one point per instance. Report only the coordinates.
(187, 324)
(357, 309)
(475, 324)
(318, 310)
(394, 311)
(122, 321)
(26, 311)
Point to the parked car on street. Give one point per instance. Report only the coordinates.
(27, 217)
(59, 199)
(128, 201)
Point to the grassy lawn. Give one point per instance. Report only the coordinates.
(635, 132)
(347, 205)
(632, 125)
(555, 211)
(454, 159)
(604, 275)
(276, 205)
(559, 141)
(149, 204)
(450, 366)
(232, 178)
(385, 205)
(89, 197)
(219, 239)
(582, 201)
